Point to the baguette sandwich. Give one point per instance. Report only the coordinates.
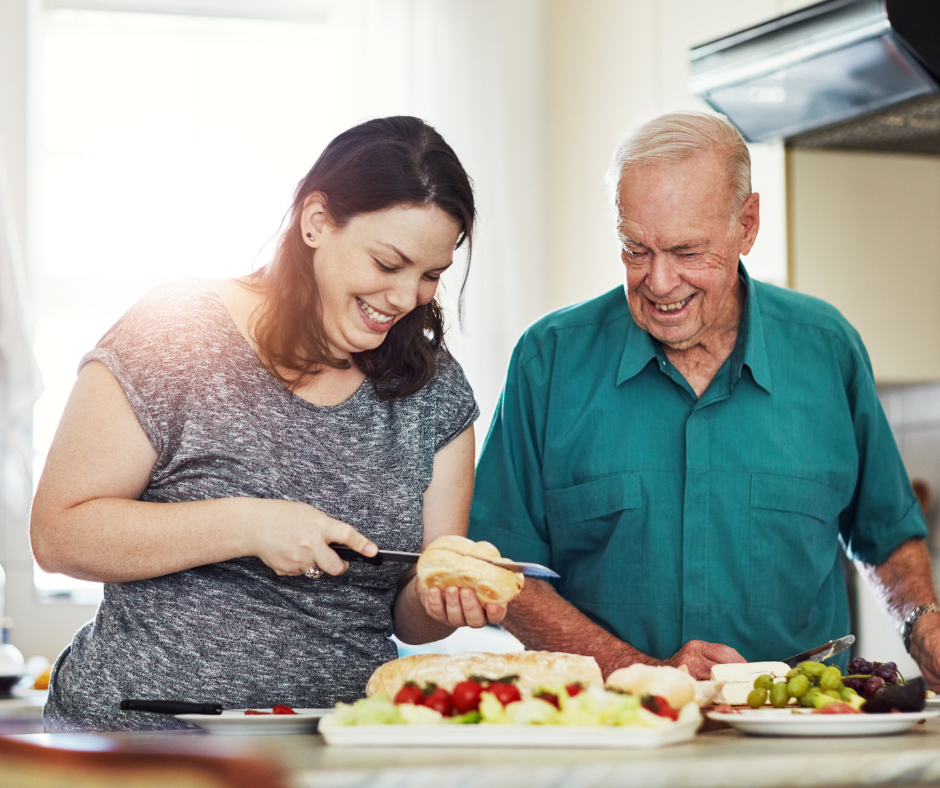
(534, 669)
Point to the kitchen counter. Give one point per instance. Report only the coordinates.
(723, 759)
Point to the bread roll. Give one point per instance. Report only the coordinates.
(455, 561)
(534, 668)
(676, 686)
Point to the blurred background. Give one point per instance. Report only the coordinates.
(142, 141)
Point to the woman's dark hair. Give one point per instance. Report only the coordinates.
(373, 166)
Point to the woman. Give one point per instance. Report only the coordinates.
(222, 434)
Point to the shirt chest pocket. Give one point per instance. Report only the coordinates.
(794, 533)
(595, 530)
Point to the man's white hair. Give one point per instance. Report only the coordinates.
(681, 135)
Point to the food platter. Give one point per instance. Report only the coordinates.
(790, 722)
(546, 736)
(235, 721)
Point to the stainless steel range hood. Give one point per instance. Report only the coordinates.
(860, 74)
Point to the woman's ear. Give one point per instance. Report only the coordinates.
(313, 219)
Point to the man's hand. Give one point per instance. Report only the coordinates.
(699, 656)
(925, 648)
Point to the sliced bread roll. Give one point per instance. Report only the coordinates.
(534, 668)
(676, 686)
(456, 561)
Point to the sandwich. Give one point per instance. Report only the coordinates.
(458, 561)
(528, 670)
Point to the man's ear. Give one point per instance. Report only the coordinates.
(750, 221)
(314, 219)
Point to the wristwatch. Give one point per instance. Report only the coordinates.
(908, 627)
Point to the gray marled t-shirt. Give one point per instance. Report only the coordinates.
(235, 632)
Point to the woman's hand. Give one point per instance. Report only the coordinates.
(458, 607)
(294, 537)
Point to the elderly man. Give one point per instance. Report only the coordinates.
(689, 452)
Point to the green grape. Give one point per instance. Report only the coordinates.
(811, 668)
(833, 694)
(757, 698)
(831, 678)
(846, 694)
(806, 699)
(764, 682)
(779, 695)
(797, 686)
(793, 672)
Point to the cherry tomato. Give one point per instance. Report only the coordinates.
(574, 689)
(505, 693)
(549, 697)
(283, 710)
(410, 694)
(466, 696)
(255, 711)
(659, 705)
(441, 701)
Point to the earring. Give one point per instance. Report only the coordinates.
(310, 236)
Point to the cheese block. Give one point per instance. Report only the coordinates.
(738, 679)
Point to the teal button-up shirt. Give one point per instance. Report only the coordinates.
(672, 517)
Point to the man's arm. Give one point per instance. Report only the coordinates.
(544, 621)
(902, 583)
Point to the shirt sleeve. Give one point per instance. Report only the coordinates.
(455, 407)
(150, 351)
(884, 511)
(508, 501)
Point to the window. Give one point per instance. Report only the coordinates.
(170, 148)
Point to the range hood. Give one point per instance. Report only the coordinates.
(857, 74)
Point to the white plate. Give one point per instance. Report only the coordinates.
(788, 722)
(932, 703)
(235, 721)
(504, 735)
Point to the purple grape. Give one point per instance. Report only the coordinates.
(865, 667)
(889, 674)
(857, 684)
(862, 666)
(873, 684)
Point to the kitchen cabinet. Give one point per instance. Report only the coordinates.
(864, 235)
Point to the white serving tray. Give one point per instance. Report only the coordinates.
(554, 736)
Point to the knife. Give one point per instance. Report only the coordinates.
(396, 557)
(821, 653)
(170, 707)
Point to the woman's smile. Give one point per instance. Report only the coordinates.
(374, 319)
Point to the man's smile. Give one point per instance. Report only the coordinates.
(672, 307)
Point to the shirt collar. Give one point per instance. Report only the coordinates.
(640, 347)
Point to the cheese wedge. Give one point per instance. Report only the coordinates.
(739, 679)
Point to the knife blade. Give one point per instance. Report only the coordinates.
(170, 706)
(398, 557)
(821, 653)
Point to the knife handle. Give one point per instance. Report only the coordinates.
(348, 554)
(170, 706)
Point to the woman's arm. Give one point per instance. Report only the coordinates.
(87, 522)
(423, 615)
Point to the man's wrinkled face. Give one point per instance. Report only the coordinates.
(681, 249)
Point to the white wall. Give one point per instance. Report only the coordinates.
(613, 64)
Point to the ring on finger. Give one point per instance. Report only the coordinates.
(314, 572)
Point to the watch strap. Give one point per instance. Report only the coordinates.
(909, 622)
